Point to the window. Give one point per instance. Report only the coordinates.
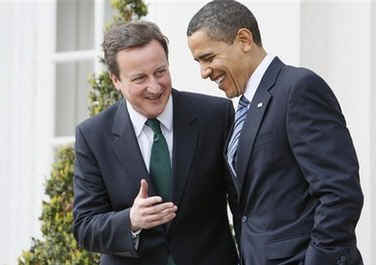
(79, 33)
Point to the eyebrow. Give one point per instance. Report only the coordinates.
(164, 66)
(203, 56)
(137, 75)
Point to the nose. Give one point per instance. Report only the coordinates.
(154, 85)
(205, 71)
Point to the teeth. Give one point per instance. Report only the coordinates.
(219, 80)
(154, 98)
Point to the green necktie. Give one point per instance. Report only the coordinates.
(160, 163)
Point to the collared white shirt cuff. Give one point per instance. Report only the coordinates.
(136, 238)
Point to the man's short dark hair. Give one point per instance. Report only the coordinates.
(221, 20)
(123, 36)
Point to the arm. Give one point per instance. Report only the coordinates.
(96, 226)
(324, 151)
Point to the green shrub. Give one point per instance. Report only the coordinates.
(57, 245)
(102, 93)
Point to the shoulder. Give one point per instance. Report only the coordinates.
(300, 75)
(201, 102)
(308, 90)
(209, 109)
(297, 73)
(102, 120)
(295, 81)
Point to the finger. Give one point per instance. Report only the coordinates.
(160, 208)
(143, 193)
(159, 216)
(148, 202)
(160, 221)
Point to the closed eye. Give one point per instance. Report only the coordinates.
(138, 79)
(206, 58)
(160, 72)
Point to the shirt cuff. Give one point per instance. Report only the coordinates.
(136, 238)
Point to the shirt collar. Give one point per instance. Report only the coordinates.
(138, 120)
(165, 118)
(255, 79)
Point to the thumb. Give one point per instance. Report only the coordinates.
(143, 193)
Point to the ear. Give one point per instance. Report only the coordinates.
(245, 39)
(115, 81)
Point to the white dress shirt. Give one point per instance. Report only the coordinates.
(145, 134)
(255, 79)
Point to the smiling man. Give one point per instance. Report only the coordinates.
(290, 154)
(150, 183)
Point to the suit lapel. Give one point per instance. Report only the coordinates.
(249, 132)
(126, 147)
(256, 112)
(185, 140)
(185, 131)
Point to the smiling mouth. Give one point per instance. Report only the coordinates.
(219, 81)
(154, 97)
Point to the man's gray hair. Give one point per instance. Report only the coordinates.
(123, 36)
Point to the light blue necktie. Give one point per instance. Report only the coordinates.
(240, 117)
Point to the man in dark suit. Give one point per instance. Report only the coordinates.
(150, 182)
(294, 167)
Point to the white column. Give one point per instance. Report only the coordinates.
(25, 121)
(372, 200)
(45, 101)
(99, 16)
(5, 122)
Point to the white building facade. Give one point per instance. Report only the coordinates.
(48, 48)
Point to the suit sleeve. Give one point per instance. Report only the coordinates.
(96, 226)
(324, 150)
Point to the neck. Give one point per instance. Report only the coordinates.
(255, 58)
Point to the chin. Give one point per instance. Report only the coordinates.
(154, 113)
(230, 94)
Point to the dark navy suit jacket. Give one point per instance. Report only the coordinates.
(108, 170)
(297, 189)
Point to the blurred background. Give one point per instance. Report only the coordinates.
(49, 48)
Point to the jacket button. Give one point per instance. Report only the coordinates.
(244, 219)
(341, 260)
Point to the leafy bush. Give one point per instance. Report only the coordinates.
(58, 245)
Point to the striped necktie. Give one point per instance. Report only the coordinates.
(240, 116)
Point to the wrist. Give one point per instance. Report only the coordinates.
(135, 229)
(136, 233)
(133, 225)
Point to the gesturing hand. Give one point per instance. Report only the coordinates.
(147, 212)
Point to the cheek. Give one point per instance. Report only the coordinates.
(218, 64)
(165, 82)
(132, 93)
